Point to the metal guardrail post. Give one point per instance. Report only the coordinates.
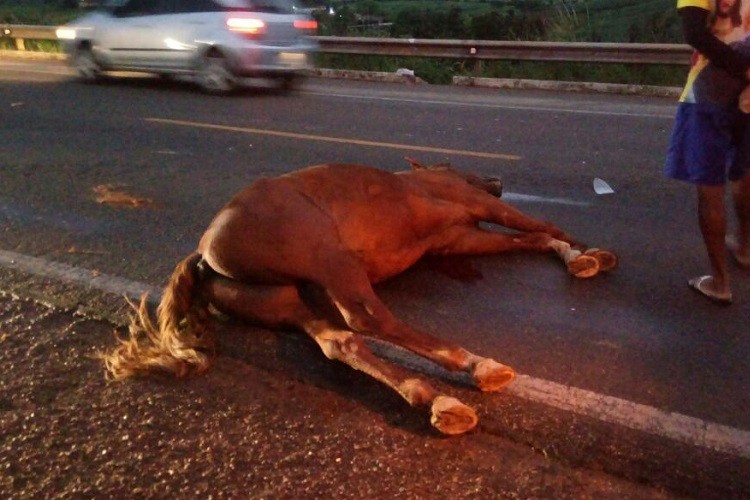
(21, 33)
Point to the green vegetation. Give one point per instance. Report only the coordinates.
(644, 21)
(623, 21)
(36, 13)
(648, 21)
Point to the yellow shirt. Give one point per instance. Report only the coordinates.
(706, 83)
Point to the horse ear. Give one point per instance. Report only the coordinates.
(415, 164)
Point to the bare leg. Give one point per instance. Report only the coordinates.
(713, 224)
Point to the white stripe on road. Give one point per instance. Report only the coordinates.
(636, 416)
(690, 430)
(667, 113)
(529, 198)
(70, 274)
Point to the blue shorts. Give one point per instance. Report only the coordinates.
(709, 144)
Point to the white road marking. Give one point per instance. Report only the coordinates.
(70, 274)
(667, 114)
(682, 428)
(636, 416)
(529, 198)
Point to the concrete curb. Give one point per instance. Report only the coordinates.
(368, 76)
(29, 54)
(604, 88)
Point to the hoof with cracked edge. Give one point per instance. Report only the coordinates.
(491, 376)
(583, 266)
(450, 416)
(607, 260)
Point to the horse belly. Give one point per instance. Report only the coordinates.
(384, 264)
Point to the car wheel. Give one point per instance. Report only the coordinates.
(86, 66)
(288, 83)
(214, 76)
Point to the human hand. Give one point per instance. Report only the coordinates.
(744, 101)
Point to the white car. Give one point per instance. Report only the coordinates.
(218, 42)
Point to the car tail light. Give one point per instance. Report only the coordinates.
(306, 24)
(250, 27)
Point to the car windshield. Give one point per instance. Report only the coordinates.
(274, 6)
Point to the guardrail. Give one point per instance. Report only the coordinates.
(20, 33)
(624, 53)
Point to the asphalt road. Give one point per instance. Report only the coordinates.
(637, 339)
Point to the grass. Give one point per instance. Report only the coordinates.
(36, 15)
(441, 71)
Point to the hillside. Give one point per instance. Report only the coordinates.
(648, 21)
(655, 20)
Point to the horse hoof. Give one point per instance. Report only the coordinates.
(491, 376)
(583, 266)
(450, 416)
(607, 260)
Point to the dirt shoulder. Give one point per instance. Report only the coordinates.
(310, 428)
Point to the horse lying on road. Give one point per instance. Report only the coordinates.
(303, 250)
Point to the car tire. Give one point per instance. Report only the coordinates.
(214, 76)
(288, 83)
(85, 64)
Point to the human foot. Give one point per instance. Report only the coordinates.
(743, 260)
(704, 286)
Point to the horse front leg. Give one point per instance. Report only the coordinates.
(471, 240)
(487, 208)
(279, 306)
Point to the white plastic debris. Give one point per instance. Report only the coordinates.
(601, 187)
(405, 72)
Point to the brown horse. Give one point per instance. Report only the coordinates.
(302, 250)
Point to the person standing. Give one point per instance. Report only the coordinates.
(710, 142)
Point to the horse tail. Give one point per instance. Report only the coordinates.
(181, 342)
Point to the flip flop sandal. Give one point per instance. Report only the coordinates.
(699, 285)
(732, 245)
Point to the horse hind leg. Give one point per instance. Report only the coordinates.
(447, 414)
(278, 306)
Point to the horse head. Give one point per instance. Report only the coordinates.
(491, 185)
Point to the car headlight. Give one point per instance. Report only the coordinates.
(64, 33)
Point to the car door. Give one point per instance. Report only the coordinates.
(183, 31)
(132, 39)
